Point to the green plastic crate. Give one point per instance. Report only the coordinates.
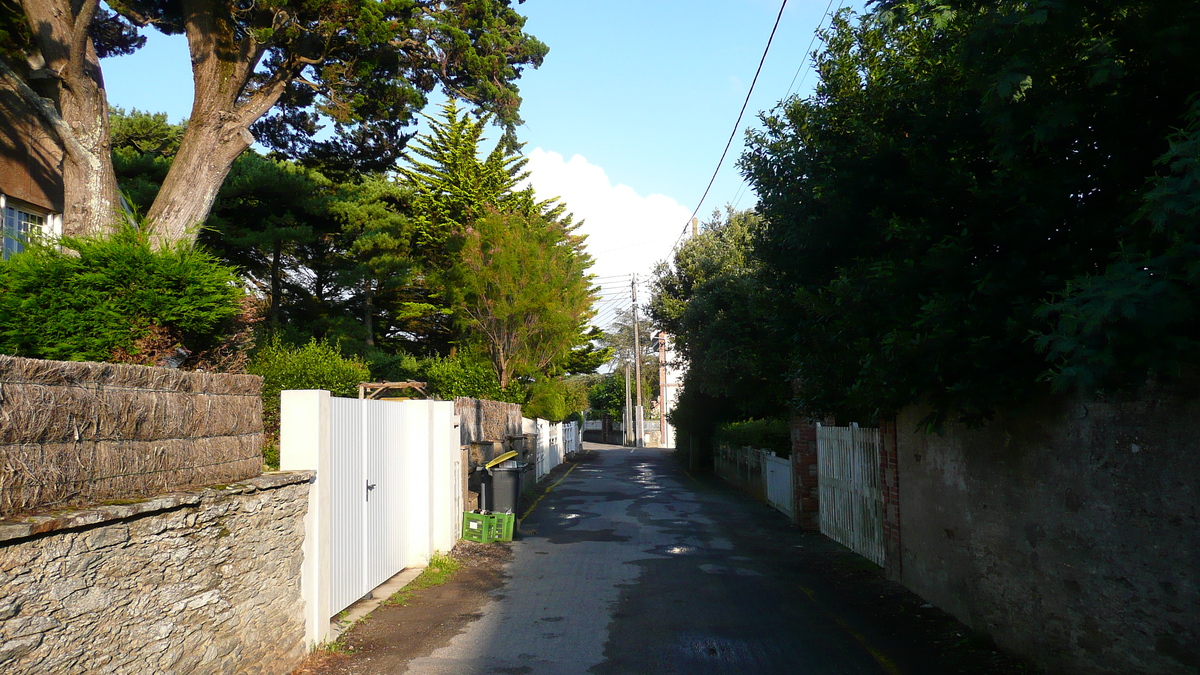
(486, 529)
(505, 522)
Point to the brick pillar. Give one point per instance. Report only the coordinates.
(889, 474)
(804, 473)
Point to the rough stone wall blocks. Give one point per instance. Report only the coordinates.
(198, 582)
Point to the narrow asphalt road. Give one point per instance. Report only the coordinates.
(631, 565)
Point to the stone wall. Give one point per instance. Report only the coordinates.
(1068, 533)
(206, 581)
(483, 420)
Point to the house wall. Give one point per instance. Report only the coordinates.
(1068, 533)
(206, 581)
(30, 157)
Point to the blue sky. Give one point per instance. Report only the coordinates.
(625, 120)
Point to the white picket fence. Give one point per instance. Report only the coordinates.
(759, 472)
(386, 497)
(851, 501)
(572, 438)
(553, 442)
(779, 483)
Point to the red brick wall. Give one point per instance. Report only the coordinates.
(890, 483)
(804, 473)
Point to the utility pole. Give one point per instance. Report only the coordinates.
(627, 417)
(695, 227)
(637, 366)
(662, 388)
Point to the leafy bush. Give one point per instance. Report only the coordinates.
(400, 367)
(555, 399)
(315, 365)
(774, 435)
(114, 296)
(607, 396)
(466, 376)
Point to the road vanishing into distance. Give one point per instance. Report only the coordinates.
(630, 565)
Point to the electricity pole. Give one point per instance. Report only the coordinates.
(627, 417)
(662, 389)
(637, 367)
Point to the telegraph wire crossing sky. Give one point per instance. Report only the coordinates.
(625, 120)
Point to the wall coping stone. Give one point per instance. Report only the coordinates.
(33, 526)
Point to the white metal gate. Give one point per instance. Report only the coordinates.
(393, 490)
(779, 482)
(851, 501)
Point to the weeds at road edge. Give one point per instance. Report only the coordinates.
(441, 568)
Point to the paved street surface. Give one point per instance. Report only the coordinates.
(631, 565)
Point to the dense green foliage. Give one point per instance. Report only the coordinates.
(958, 185)
(467, 375)
(556, 399)
(110, 296)
(314, 365)
(1142, 315)
(773, 435)
(715, 297)
(606, 396)
(520, 286)
(376, 263)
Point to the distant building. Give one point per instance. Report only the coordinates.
(31, 185)
(670, 377)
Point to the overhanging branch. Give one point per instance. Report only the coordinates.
(46, 111)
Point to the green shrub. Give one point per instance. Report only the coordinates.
(556, 399)
(315, 365)
(400, 367)
(774, 435)
(466, 376)
(114, 299)
(547, 400)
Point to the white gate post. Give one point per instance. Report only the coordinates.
(304, 432)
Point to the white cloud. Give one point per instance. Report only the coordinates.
(626, 232)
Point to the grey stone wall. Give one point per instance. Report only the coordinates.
(194, 582)
(1069, 533)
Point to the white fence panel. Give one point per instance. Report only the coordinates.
(347, 485)
(556, 445)
(416, 468)
(542, 444)
(779, 482)
(571, 438)
(851, 501)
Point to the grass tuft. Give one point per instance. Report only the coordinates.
(441, 568)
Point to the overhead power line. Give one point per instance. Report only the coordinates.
(808, 51)
(738, 123)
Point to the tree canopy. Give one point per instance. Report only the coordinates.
(521, 287)
(981, 200)
(366, 66)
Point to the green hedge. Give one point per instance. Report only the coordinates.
(110, 294)
(315, 365)
(774, 435)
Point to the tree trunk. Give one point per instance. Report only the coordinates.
(91, 200)
(369, 312)
(276, 255)
(219, 128)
